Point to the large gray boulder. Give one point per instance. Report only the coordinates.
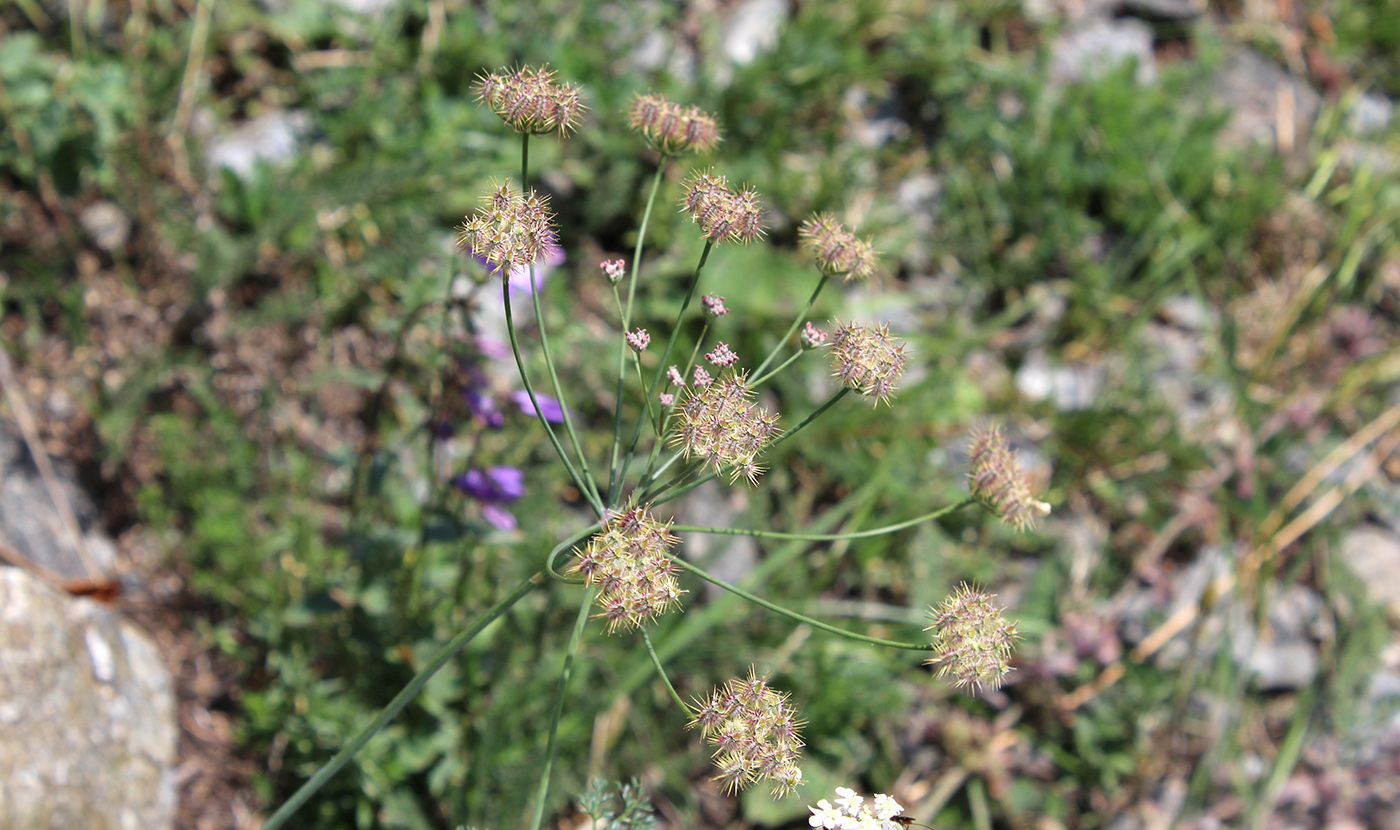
(87, 715)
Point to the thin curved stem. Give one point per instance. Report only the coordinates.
(660, 370)
(534, 401)
(759, 381)
(828, 537)
(408, 693)
(812, 416)
(802, 618)
(568, 543)
(542, 792)
(793, 328)
(656, 661)
(584, 471)
(626, 316)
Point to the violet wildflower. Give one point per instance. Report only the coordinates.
(671, 129)
(723, 214)
(836, 250)
(719, 424)
(812, 337)
(674, 376)
(550, 408)
(638, 340)
(493, 487)
(972, 641)
(755, 734)
(722, 356)
(614, 269)
(629, 560)
(529, 100)
(998, 482)
(713, 305)
(868, 360)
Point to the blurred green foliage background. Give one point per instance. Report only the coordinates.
(259, 358)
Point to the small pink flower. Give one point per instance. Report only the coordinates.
(666, 398)
(702, 377)
(638, 340)
(813, 337)
(714, 305)
(614, 269)
(674, 376)
(722, 356)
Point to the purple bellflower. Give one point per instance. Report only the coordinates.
(552, 410)
(493, 487)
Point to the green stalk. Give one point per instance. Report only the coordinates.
(627, 322)
(666, 418)
(802, 618)
(801, 318)
(550, 749)
(583, 487)
(758, 381)
(656, 661)
(827, 537)
(660, 370)
(408, 693)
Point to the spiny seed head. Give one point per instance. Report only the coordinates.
(671, 129)
(513, 231)
(868, 360)
(836, 250)
(629, 559)
(719, 424)
(529, 100)
(723, 214)
(755, 734)
(997, 481)
(972, 641)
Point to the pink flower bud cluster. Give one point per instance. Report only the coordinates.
(530, 101)
(722, 356)
(629, 560)
(638, 340)
(836, 250)
(671, 129)
(675, 377)
(972, 641)
(713, 305)
(755, 734)
(724, 215)
(702, 377)
(513, 231)
(868, 360)
(813, 337)
(718, 423)
(996, 480)
(615, 269)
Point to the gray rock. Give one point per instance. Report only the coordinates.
(30, 522)
(1072, 388)
(1373, 554)
(1269, 104)
(753, 28)
(89, 715)
(731, 558)
(272, 138)
(1089, 51)
(1371, 113)
(107, 225)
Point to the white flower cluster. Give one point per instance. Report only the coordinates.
(852, 813)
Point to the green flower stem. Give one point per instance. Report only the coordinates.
(626, 322)
(549, 563)
(660, 370)
(801, 318)
(666, 419)
(656, 661)
(408, 693)
(583, 486)
(812, 416)
(586, 473)
(637, 361)
(759, 381)
(802, 618)
(551, 747)
(828, 537)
